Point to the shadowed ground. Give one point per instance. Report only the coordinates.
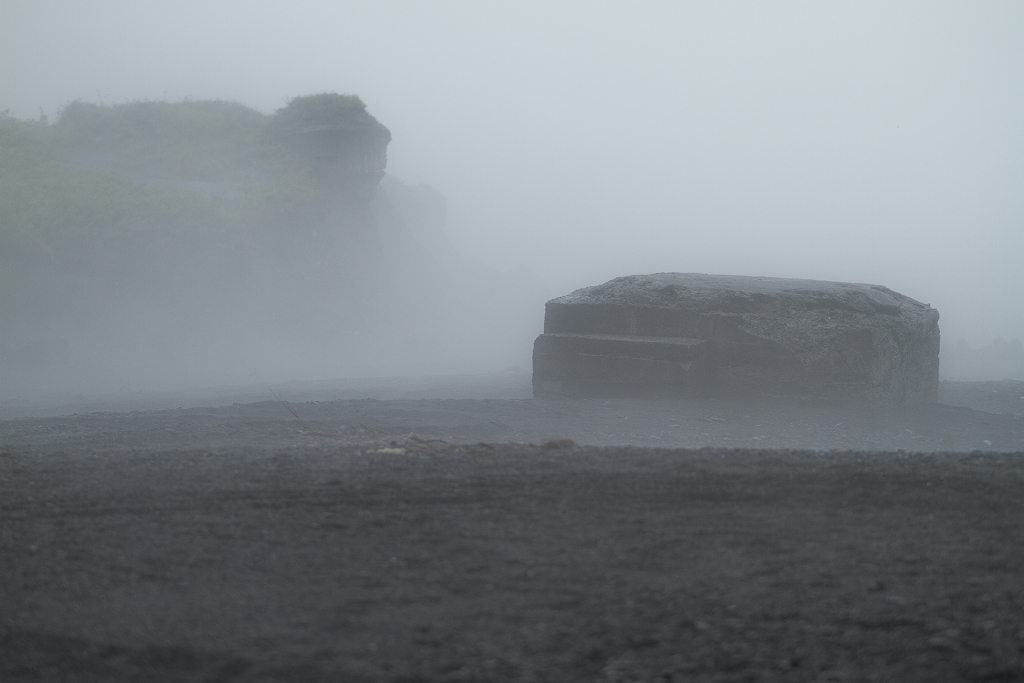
(245, 543)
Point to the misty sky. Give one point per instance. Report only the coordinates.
(869, 142)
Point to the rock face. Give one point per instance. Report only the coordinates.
(344, 149)
(345, 145)
(684, 333)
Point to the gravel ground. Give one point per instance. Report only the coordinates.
(431, 540)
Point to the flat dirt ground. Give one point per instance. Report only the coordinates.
(318, 538)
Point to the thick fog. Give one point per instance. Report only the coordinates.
(579, 141)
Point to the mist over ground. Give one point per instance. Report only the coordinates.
(569, 144)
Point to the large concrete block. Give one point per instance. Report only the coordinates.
(684, 333)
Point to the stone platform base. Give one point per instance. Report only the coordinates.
(674, 333)
(605, 364)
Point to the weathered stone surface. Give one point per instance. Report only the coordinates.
(673, 333)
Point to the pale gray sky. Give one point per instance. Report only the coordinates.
(870, 142)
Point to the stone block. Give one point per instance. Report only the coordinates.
(685, 333)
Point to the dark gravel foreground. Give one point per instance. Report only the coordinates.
(276, 548)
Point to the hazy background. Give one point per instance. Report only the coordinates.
(867, 142)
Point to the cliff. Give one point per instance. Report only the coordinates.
(154, 243)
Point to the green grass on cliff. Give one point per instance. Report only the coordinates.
(112, 198)
(158, 244)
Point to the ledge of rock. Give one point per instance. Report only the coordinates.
(685, 333)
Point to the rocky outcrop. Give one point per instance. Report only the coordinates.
(675, 333)
(346, 146)
(343, 148)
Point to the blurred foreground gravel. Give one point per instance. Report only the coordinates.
(246, 543)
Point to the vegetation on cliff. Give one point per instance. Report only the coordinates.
(106, 195)
(157, 215)
(346, 111)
